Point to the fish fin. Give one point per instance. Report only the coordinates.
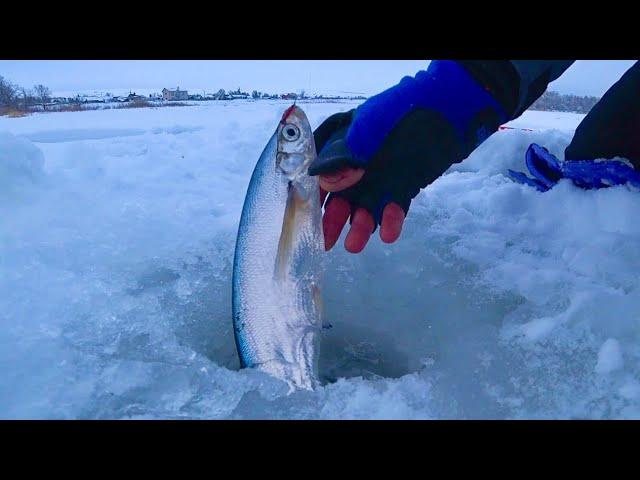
(318, 302)
(287, 235)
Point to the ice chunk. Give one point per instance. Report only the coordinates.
(20, 161)
(609, 357)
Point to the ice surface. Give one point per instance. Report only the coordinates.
(116, 244)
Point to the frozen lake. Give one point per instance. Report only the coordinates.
(116, 245)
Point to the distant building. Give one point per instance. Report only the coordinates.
(132, 97)
(93, 99)
(176, 94)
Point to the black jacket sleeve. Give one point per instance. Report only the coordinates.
(516, 84)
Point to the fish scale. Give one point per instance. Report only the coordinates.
(277, 263)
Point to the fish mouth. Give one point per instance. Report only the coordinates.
(294, 114)
(287, 113)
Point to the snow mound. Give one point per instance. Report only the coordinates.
(21, 162)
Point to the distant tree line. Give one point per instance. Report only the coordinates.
(19, 99)
(556, 102)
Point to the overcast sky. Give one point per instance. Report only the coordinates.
(585, 77)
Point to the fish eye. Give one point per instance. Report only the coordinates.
(290, 132)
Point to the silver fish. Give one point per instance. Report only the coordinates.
(277, 264)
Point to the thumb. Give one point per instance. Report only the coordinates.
(333, 157)
(341, 179)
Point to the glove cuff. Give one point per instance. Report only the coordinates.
(445, 87)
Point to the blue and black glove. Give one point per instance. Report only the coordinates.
(407, 136)
(547, 170)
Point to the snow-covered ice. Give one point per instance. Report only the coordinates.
(116, 240)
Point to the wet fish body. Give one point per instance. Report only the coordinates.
(277, 263)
